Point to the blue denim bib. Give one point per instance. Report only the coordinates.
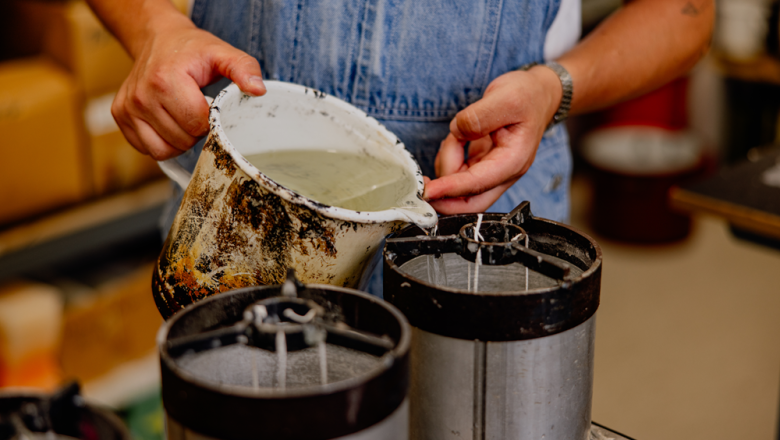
(411, 64)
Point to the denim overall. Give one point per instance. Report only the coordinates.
(411, 64)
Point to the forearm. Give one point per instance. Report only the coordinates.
(639, 48)
(134, 22)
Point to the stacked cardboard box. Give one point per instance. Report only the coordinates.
(63, 145)
(77, 40)
(80, 43)
(45, 162)
(112, 323)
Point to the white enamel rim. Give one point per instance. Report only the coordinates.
(388, 215)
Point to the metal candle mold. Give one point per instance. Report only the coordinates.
(502, 313)
(286, 362)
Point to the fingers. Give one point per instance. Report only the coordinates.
(180, 114)
(478, 149)
(241, 68)
(160, 108)
(449, 159)
(512, 155)
(149, 127)
(157, 147)
(146, 140)
(504, 127)
(485, 116)
(479, 203)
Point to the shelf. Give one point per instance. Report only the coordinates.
(764, 69)
(71, 232)
(742, 194)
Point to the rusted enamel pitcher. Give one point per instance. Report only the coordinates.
(236, 227)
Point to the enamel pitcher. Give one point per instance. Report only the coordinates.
(236, 227)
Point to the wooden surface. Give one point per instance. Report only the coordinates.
(764, 69)
(743, 194)
(744, 217)
(83, 216)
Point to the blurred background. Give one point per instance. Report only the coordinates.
(681, 188)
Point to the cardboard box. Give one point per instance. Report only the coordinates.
(79, 42)
(116, 165)
(116, 324)
(30, 331)
(44, 164)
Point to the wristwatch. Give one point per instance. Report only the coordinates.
(568, 89)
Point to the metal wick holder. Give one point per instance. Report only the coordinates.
(496, 243)
(301, 320)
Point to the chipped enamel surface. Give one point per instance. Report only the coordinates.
(236, 227)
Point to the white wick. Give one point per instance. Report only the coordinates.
(281, 364)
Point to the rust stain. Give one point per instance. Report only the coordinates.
(222, 160)
(315, 229)
(248, 204)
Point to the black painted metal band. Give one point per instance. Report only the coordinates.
(318, 417)
(504, 316)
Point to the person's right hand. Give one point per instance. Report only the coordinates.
(160, 108)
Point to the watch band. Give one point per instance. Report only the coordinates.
(568, 89)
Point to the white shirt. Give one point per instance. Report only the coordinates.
(565, 30)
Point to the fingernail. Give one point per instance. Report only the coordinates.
(257, 81)
(456, 131)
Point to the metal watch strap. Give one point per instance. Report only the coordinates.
(567, 85)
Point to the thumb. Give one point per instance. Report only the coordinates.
(450, 158)
(493, 111)
(241, 68)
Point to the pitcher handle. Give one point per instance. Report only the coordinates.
(175, 172)
(173, 168)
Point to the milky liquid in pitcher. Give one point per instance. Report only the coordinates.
(346, 180)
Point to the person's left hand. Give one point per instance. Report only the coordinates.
(504, 127)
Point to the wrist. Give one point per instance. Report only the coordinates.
(159, 18)
(551, 90)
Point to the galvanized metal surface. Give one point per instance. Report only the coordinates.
(532, 389)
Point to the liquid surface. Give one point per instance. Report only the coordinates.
(346, 180)
(250, 367)
(453, 271)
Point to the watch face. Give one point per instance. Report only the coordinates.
(639, 150)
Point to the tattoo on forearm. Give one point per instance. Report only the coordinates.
(690, 9)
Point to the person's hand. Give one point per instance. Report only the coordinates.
(160, 108)
(504, 129)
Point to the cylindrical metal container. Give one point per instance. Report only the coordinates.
(286, 362)
(502, 349)
(62, 415)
